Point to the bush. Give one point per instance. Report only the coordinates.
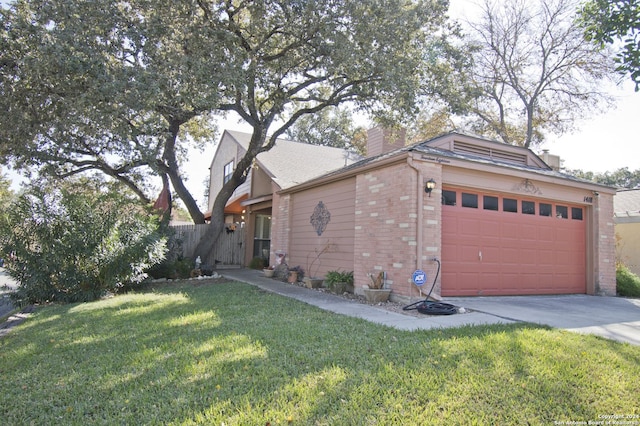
(333, 277)
(76, 244)
(627, 283)
(257, 263)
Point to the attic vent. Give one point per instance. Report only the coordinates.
(490, 153)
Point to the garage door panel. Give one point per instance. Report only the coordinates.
(468, 228)
(503, 253)
(529, 232)
(529, 256)
(546, 233)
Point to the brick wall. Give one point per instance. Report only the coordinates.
(386, 226)
(605, 246)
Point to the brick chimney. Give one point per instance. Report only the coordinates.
(380, 141)
(552, 161)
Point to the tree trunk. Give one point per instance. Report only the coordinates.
(170, 167)
(239, 176)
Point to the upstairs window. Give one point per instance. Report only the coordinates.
(228, 171)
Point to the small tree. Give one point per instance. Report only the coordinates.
(71, 244)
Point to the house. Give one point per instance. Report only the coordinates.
(627, 225)
(287, 164)
(499, 220)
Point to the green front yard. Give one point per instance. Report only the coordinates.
(228, 353)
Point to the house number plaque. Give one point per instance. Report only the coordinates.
(320, 218)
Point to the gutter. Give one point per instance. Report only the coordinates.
(420, 212)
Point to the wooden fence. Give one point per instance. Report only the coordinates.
(229, 248)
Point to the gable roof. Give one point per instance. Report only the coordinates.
(626, 204)
(475, 150)
(290, 163)
(480, 148)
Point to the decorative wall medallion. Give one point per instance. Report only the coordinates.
(320, 218)
(527, 186)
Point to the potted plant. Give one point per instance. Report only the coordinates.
(295, 274)
(339, 282)
(374, 292)
(313, 263)
(268, 271)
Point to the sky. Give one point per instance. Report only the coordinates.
(600, 143)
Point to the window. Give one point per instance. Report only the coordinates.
(562, 212)
(576, 213)
(490, 203)
(228, 171)
(510, 205)
(449, 198)
(470, 200)
(545, 209)
(528, 207)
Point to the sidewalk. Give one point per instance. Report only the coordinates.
(615, 318)
(340, 305)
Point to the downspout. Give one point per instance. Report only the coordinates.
(420, 212)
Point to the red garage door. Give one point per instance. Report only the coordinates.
(502, 245)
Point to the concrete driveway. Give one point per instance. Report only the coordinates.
(611, 317)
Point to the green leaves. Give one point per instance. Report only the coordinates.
(121, 86)
(70, 245)
(616, 22)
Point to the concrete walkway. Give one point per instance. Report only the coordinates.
(611, 317)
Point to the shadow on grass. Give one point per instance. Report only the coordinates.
(230, 353)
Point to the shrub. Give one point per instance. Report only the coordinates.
(75, 244)
(627, 283)
(333, 277)
(257, 263)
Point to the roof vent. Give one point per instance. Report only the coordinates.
(490, 153)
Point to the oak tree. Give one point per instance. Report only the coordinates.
(122, 86)
(533, 73)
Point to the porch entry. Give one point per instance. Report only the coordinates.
(494, 244)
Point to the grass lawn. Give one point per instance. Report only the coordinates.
(229, 353)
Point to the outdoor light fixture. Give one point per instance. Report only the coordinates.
(429, 186)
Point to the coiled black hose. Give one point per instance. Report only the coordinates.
(428, 307)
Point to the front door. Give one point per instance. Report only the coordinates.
(262, 237)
